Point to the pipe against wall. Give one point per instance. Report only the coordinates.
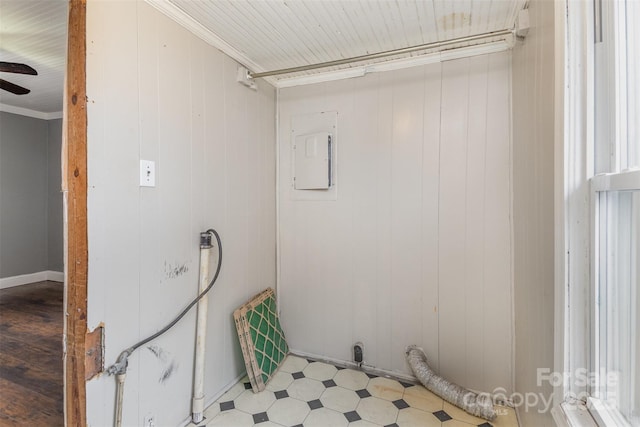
(119, 393)
(119, 369)
(479, 405)
(197, 403)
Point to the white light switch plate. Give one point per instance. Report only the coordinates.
(147, 173)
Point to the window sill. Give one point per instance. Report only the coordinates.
(573, 415)
(594, 414)
(605, 416)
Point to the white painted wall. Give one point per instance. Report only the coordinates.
(533, 207)
(157, 92)
(417, 247)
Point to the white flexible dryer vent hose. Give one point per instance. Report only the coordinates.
(471, 402)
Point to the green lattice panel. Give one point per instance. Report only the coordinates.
(244, 337)
(269, 343)
(261, 337)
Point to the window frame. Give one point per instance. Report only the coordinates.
(577, 180)
(628, 180)
(609, 59)
(610, 163)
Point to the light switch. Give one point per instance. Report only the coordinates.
(147, 173)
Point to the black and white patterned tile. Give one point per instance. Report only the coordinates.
(308, 393)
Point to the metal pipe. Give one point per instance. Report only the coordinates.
(433, 45)
(119, 369)
(197, 402)
(119, 393)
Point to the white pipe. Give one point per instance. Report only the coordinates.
(119, 392)
(197, 403)
(384, 54)
(277, 183)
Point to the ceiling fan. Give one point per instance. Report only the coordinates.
(14, 67)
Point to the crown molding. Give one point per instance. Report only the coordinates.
(30, 113)
(182, 18)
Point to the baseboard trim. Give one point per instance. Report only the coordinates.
(210, 401)
(352, 365)
(23, 279)
(55, 276)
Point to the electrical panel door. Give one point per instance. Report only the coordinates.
(312, 161)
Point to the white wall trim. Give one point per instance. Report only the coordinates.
(327, 76)
(182, 18)
(560, 257)
(23, 279)
(512, 232)
(55, 276)
(575, 299)
(277, 184)
(30, 113)
(353, 365)
(395, 64)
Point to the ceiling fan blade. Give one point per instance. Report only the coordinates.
(14, 67)
(13, 88)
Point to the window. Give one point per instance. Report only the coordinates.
(616, 210)
(617, 314)
(617, 85)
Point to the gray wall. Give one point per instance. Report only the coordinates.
(533, 207)
(27, 209)
(54, 205)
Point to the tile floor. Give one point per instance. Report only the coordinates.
(307, 393)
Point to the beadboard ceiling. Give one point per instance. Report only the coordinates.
(276, 34)
(34, 32)
(263, 35)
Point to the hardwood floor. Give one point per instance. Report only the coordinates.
(31, 376)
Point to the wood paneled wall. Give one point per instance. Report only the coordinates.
(171, 98)
(417, 248)
(533, 208)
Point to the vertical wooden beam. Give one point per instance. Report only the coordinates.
(75, 190)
